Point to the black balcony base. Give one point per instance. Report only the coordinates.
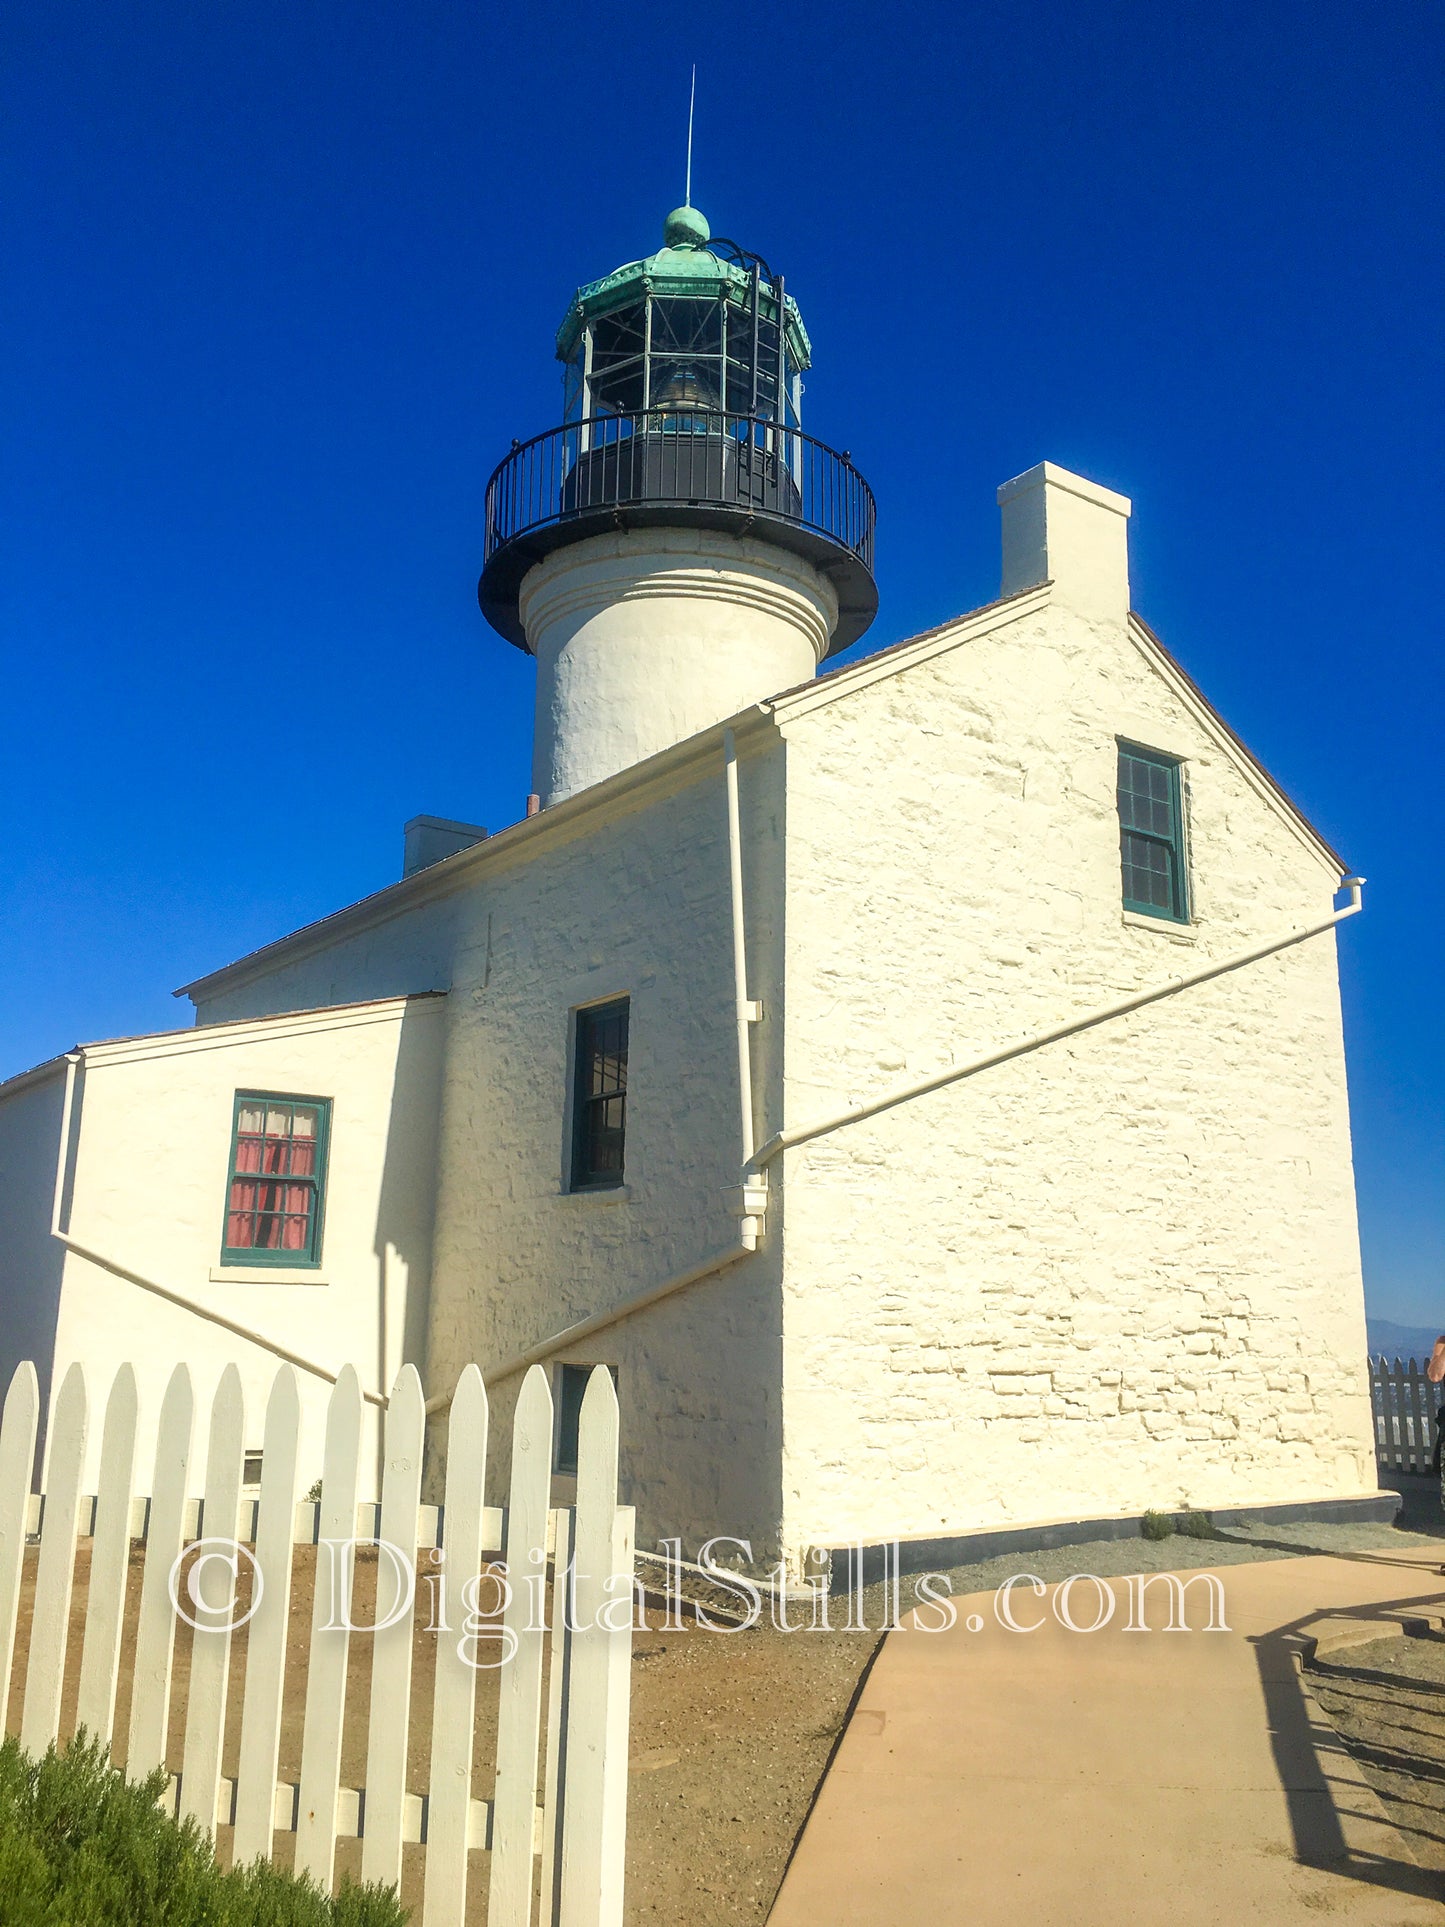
(853, 584)
(683, 469)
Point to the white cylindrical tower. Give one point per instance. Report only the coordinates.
(646, 636)
(678, 548)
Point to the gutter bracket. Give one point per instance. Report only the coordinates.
(749, 1201)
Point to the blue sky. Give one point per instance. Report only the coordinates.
(281, 284)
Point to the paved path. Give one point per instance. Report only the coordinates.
(1113, 1779)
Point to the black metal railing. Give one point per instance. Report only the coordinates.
(660, 458)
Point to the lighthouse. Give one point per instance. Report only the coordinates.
(677, 548)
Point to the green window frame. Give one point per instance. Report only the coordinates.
(276, 1180)
(1151, 834)
(599, 1096)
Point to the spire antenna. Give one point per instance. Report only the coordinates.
(691, 103)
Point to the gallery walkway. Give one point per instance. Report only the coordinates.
(1116, 1779)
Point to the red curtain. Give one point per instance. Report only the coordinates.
(264, 1214)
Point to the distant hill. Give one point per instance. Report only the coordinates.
(1401, 1341)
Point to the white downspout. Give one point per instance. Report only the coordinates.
(783, 1140)
(72, 1064)
(751, 1194)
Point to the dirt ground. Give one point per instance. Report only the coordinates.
(1387, 1702)
(733, 1731)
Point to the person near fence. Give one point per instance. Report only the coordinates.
(1435, 1372)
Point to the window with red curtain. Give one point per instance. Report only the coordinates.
(277, 1179)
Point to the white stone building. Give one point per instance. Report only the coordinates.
(586, 1090)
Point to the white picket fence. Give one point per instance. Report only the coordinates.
(578, 1830)
(1403, 1400)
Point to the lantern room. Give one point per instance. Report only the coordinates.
(693, 328)
(682, 409)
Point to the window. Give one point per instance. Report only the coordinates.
(599, 1096)
(571, 1390)
(1151, 834)
(277, 1180)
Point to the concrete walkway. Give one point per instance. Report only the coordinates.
(1061, 1779)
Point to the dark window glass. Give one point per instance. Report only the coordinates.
(686, 355)
(617, 344)
(278, 1170)
(571, 1390)
(687, 327)
(600, 1096)
(1151, 834)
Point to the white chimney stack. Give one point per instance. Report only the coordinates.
(430, 839)
(1059, 528)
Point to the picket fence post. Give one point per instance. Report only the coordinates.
(579, 1828)
(109, 1560)
(519, 1707)
(270, 1621)
(455, 1692)
(155, 1639)
(391, 1643)
(591, 1884)
(326, 1667)
(211, 1646)
(59, 1521)
(1402, 1400)
(18, 1430)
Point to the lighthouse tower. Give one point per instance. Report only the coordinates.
(678, 548)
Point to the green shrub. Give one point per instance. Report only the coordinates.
(1157, 1525)
(1195, 1525)
(82, 1846)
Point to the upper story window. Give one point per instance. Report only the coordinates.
(599, 1096)
(1151, 834)
(277, 1182)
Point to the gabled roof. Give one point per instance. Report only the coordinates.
(898, 656)
(213, 1036)
(513, 843)
(1195, 699)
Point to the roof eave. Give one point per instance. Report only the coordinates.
(628, 787)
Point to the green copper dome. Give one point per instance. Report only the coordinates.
(683, 265)
(685, 228)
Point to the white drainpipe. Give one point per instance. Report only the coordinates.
(901, 1094)
(784, 1140)
(751, 1195)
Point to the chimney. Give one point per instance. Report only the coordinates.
(1059, 528)
(430, 838)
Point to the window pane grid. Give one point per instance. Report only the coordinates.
(274, 1192)
(1151, 834)
(601, 1095)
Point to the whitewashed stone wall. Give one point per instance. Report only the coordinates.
(632, 904)
(1122, 1272)
(621, 895)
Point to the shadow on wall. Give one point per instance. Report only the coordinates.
(406, 1204)
(32, 1262)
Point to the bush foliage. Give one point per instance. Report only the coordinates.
(1190, 1524)
(82, 1846)
(1196, 1525)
